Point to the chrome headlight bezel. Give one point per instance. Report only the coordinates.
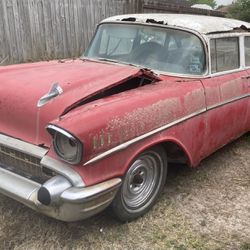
(59, 133)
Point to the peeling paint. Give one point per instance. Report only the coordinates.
(140, 120)
(201, 24)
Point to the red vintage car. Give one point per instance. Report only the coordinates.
(77, 136)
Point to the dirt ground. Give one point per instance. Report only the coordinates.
(203, 208)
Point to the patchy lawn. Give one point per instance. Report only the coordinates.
(203, 208)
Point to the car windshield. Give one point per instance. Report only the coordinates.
(161, 49)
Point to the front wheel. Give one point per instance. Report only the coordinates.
(142, 185)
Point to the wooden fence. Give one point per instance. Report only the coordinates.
(32, 30)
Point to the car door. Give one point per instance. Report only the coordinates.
(226, 92)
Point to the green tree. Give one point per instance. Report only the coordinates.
(211, 3)
(240, 10)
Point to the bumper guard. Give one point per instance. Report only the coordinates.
(72, 204)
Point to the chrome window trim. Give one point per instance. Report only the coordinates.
(246, 66)
(160, 129)
(242, 52)
(226, 72)
(241, 67)
(227, 34)
(241, 36)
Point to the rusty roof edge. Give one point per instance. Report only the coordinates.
(202, 24)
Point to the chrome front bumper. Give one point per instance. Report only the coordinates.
(73, 204)
(64, 196)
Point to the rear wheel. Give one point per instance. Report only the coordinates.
(142, 185)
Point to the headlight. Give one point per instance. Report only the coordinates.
(66, 145)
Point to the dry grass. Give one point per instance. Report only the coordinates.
(204, 208)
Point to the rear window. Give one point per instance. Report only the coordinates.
(224, 54)
(247, 50)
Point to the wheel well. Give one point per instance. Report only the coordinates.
(175, 153)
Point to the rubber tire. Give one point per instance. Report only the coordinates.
(118, 206)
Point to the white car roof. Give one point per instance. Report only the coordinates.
(201, 24)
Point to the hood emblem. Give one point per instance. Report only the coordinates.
(54, 92)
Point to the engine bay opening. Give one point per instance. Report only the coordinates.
(133, 83)
(129, 84)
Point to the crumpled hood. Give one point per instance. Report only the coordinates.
(21, 87)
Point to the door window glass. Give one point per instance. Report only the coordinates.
(224, 54)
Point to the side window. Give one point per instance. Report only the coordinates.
(224, 54)
(247, 50)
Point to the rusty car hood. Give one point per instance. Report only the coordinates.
(21, 87)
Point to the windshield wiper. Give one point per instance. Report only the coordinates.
(107, 60)
(122, 62)
(98, 59)
(102, 59)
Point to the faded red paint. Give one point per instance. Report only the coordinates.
(131, 114)
(108, 122)
(23, 85)
(225, 123)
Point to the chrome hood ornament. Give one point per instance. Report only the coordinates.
(55, 91)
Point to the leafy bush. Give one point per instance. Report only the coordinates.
(241, 10)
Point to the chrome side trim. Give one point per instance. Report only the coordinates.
(155, 131)
(63, 169)
(139, 138)
(228, 101)
(22, 146)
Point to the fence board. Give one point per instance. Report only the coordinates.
(32, 30)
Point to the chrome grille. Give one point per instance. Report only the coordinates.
(23, 164)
